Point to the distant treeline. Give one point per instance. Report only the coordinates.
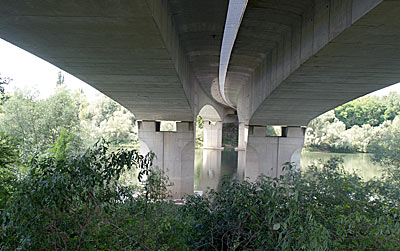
(35, 124)
(363, 125)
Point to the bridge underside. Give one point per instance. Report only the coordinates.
(292, 60)
(116, 47)
(363, 58)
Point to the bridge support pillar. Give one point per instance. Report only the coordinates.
(212, 135)
(241, 149)
(266, 155)
(174, 153)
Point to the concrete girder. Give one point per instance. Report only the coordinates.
(209, 113)
(136, 52)
(337, 51)
(115, 40)
(234, 17)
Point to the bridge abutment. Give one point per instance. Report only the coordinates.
(174, 153)
(266, 155)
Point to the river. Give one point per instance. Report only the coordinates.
(212, 165)
(359, 163)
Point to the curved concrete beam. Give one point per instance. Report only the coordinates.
(208, 112)
(234, 17)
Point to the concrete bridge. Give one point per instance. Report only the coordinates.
(265, 62)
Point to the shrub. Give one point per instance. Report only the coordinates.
(8, 167)
(80, 204)
(324, 208)
(74, 203)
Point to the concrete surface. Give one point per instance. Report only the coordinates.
(212, 135)
(174, 153)
(267, 155)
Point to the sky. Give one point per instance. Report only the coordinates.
(27, 70)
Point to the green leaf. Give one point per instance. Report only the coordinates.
(276, 226)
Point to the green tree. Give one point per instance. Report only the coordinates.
(60, 79)
(392, 103)
(3, 96)
(386, 145)
(38, 123)
(366, 110)
(106, 118)
(8, 167)
(352, 127)
(326, 133)
(199, 131)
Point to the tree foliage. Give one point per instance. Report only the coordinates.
(3, 96)
(355, 126)
(9, 163)
(386, 145)
(369, 110)
(199, 131)
(107, 119)
(37, 123)
(60, 79)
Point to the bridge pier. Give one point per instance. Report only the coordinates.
(266, 155)
(241, 149)
(174, 153)
(212, 135)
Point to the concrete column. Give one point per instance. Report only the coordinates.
(243, 136)
(241, 149)
(174, 153)
(266, 155)
(212, 135)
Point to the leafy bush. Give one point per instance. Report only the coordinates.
(8, 167)
(323, 209)
(386, 145)
(72, 203)
(80, 204)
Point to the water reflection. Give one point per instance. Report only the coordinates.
(211, 166)
(359, 163)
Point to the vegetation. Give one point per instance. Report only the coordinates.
(8, 167)
(3, 95)
(78, 203)
(369, 110)
(386, 144)
(358, 126)
(199, 132)
(71, 203)
(36, 124)
(324, 208)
